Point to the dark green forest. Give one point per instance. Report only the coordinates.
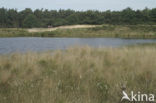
(12, 18)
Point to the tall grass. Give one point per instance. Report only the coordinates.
(77, 75)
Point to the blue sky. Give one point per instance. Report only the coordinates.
(78, 4)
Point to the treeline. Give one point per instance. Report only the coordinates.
(44, 18)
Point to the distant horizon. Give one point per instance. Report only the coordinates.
(75, 10)
(79, 5)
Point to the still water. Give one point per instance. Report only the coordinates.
(24, 44)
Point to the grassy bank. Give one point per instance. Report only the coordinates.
(77, 75)
(120, 31)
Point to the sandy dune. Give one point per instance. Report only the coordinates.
(60, 27)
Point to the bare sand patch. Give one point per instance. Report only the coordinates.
(60, 27)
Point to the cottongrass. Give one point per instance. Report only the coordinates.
(77, 75)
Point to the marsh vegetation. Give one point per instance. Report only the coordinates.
(77, 75)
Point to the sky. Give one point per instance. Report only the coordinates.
(79, 5)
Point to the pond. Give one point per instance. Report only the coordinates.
(24, 44)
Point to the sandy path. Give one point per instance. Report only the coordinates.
(60, 27)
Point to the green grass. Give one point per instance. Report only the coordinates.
(119, 31)
(77, 75)
(142, 45)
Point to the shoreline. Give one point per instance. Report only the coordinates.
(85, 31)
